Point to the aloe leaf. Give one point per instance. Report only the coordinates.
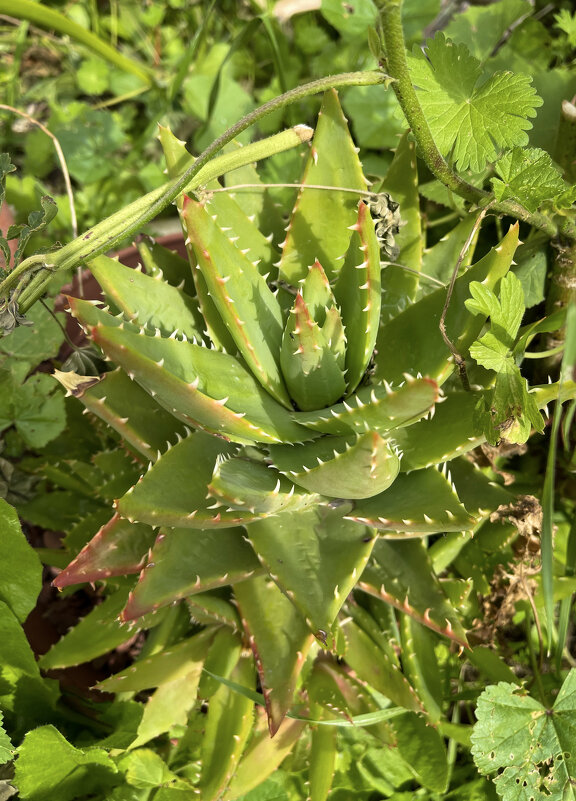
(412, 341)
(280, 641)
(126, 408)
(377, 408)
(169, 705)
(209, 608)
(313, 349)
(439, 261)
(318, 228)
(263, 756)
(204, 388)
(228, 726)
(173, 491)
(477, 491)
(449, 433)
(183, 563)
(372, 665)
(149, 301)
(246, 305)
(359, 295)
(340, 467)
(240, 483)
(421, 502)
(98, 632)
(323, 753)
(395, 575)
(166, 265)
(119, 547)
(241, 228)
(420, 664)
(225, 651)
(172, 663)
(316, 558)
(399, 286)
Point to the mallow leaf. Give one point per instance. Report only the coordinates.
(471, 120)
(529, 176)
(532, 748)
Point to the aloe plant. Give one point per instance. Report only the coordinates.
(297, 407)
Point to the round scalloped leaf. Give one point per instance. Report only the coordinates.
(340, 467)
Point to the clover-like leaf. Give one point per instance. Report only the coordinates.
(473, 121)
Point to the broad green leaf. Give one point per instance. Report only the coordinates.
(318, 228)
(423, 749)
(473, 122)
(532, 748)
(20, 587)
(246, 305)
(48, 764)
(399, 286)
(228, 726)
(187, 562)
(98, 632)
(420, 502)
(148, 300)
(168, 665)
(401, 574)
(118, 547)
(505, 311)
(482, 28)
(263, 756)
(280, 640)
(6, 747)
(529, 176)
(127, 408)
(35, 407)
(316, 558)
(351, 20)
(376, 408)
(145, 769)
(412, 343)
(359, 293)
(202, 387)
(32, 344)
(37, 221)
(353, 467)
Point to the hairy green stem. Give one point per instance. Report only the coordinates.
(396, 65)
(106, 235)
